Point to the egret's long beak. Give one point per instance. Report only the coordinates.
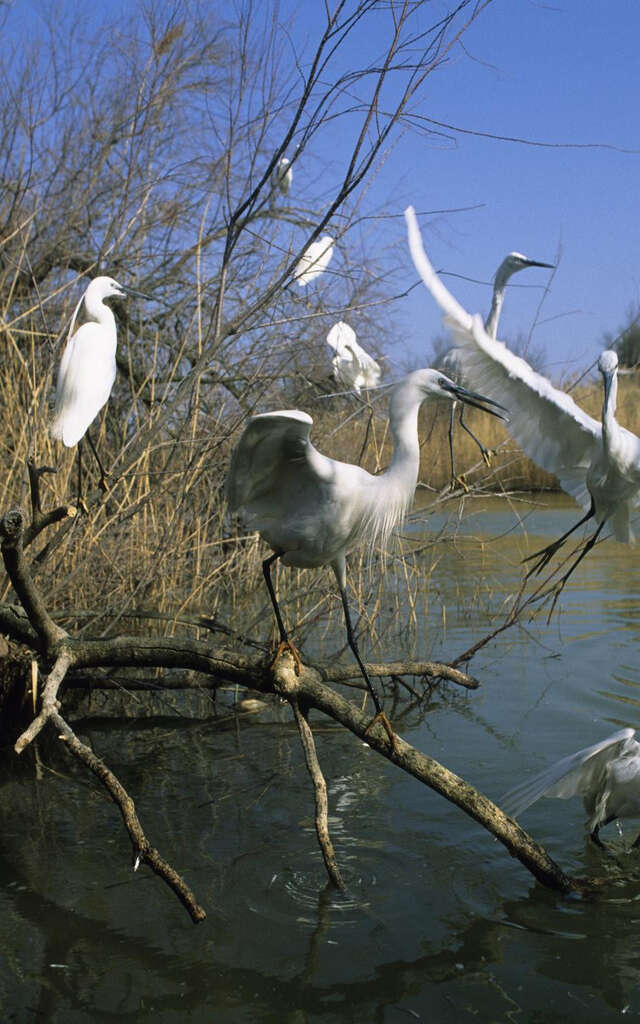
(537, 263)
(608, 379)
(135, 294)
(473, 398)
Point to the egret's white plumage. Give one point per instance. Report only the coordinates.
(511, 264)
(352, 366)
(606, 775)
(598, 464)
(88, 366)
(311, 509)
(282, 175)
(314, 261)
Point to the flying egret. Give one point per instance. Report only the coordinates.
(352, 366)
(510, 265)
(597, 464)
(87, 370)
(314, 260)
(606, 775)
(282, 175)
(312, 510)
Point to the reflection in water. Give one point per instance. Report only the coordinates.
(438, 924)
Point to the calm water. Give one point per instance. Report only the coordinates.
(440, 923)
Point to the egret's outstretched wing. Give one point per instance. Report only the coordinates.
(575, 775)
(555, 432)
(85, 379)
(271, 442)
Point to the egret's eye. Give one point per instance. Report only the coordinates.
(442, 382)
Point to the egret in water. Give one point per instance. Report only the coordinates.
(87, 370)
(606, 775)
(312, 510)
(598, 464)
(510, 265)
(352, 366)
(282, 175)
(314, 261)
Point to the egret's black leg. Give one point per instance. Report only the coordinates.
(81, 502)
(585, 550)
(103, 476)
(380, 715)
(484, 451)
(546, 554)
(285, 643)
(266, 569)
(595, 836)
(452, 419)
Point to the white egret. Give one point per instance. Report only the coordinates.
(510, 265)
(352, 366)
(311, 509)
(87, 370)
(282, 175)
(598, 464)
(314, 261)
(606, 775)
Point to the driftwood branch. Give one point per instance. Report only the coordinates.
(142, 848)
(430, 669)
(433, 774)
(50, 702)
(11, 543)
(320, 793)
(41, 520)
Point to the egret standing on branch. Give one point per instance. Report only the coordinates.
(314, 261)
(282, 176)
(352, 366)
(510, 265)
(87, 370)
(597, 464)
(606, 775)
(312, 510)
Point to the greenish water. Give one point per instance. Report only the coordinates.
(440, 923)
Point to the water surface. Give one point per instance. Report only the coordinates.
(440, 924)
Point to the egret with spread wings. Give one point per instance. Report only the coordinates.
(606, 775)
(312, 510)
(598, 464)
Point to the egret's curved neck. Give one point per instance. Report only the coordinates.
(97, 310)
(491, 323)
(403, 424)
(609, 423)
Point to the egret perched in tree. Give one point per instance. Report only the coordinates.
(314, 260)
(597, 464)
(352, 366)
(87, 370)
(282, 175)
(606, 775)
(312, 510)
(510, 265)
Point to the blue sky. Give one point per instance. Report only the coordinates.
(566, 74)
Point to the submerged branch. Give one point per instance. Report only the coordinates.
(142, 848)
(320, 793)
